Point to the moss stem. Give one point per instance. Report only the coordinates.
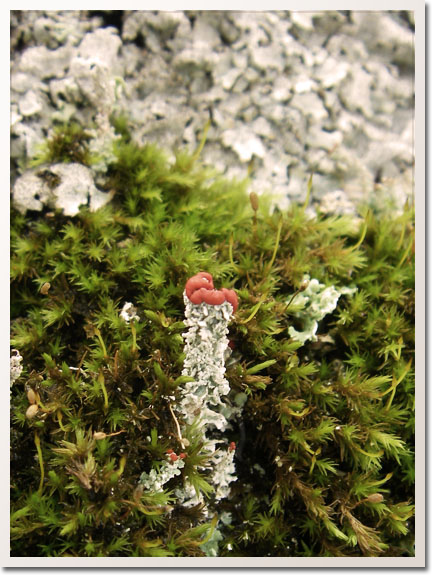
(41, 461)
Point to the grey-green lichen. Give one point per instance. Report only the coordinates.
(313, 304)
(16, 368)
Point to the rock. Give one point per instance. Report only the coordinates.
(267, 58)
(94, 81)
(302, 21)
(310, 105)
(355, 93)
(64, 90)
(15, 116)
(350, 47)
(103, 46)
(43, 63)
(164, 24)
(304, 84)
(337, 202)
(206, 35)
(228, 80)
(23, 82)
(30, 103)
(282, 89)
(331, 72)
(318, 138)
(229, 32)
(328, 22)
(25, 140)
(244, 143)
(30, 192)
(62, 186)
(385, 36)
(191, 59)
(262, 127)
(307, 90)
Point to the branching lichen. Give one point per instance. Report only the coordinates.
(16, 367)
(312, 305)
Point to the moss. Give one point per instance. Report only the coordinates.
(67, 143)
(325, 447)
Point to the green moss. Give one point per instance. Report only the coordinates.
(330, 422)
(68, 143)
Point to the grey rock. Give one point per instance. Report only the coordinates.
(241, 85)
(103, 45)
(318, 138)
(303, 84)
(64, 90)
(164, 24)
(191, 59)
(282, 89)
(23, 81)
(25, 140)
(302, 21)
(56, 29)
(15, 116)
(355, 93)
(288, 92)
(229, 32)
(337, 202)
(292, 144)
(330, 73)
(62, 186)
(328, 22)
(311, 105)
(205, 34)
(268, 58)
(385, 36)
(244, 142)
(95, 82)
(263, 128)
(30, 104)
(132, 57)
(30, 192)
(298, 182)
(353, 49)
(43, 63)
(229, 79)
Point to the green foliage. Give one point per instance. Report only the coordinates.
(327, 466)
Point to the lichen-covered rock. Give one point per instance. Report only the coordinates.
(343, 73)
(62, 186)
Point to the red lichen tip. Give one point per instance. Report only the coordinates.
(200, 280)
(173, 457)
(200, 288)
(232, 446)
(231, 297)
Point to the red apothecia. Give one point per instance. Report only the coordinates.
(200, 288)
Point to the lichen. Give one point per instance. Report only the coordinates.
(16, 368)
(129, 313)
(155, 480)
(315, 302)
